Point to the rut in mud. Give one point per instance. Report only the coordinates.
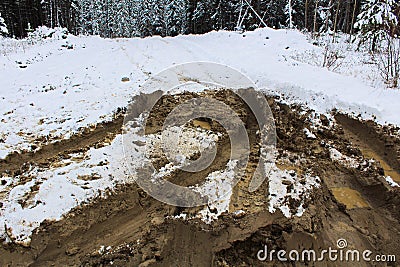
(16, 162)
(129, 228)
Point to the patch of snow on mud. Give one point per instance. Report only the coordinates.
(391, 182)
(279, 195)
(181, 142)
(52, 193)
(217, 186)
(343, 159)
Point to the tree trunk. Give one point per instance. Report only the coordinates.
(306, 15)
(315, 18)
(336, 19)
(353, 18)
(328, 15)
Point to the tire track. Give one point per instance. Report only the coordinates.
(15, 163)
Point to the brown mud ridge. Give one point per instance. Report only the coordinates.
(16, 163)
(130, 228)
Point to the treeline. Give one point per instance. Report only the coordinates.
(129, 18)
(21, 16)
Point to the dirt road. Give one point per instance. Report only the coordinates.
(130, 228)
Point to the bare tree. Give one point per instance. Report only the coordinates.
(336, 20)
(389, 62)
(306, 15)
(353, 17)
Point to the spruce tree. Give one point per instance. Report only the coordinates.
(3, 27)
(376, 20)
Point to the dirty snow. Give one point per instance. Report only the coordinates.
(217, 185)
(53, 192)
(345, 160)
(391, 182)
(309, 134)
(279, 195)
(88, 174)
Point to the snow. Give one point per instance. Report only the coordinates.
(345, 160)
(3, 26)
(238, 213)
(279, 194)
(60, 91)
(183, 142)
(217, 187)
(103, 249)
(391, 182)
(60, 189)
(309, 134)
(64, 89)
(65, 186)
(53, 88)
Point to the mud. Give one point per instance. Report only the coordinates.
(375, 142)
(352, 199)
(129, 228)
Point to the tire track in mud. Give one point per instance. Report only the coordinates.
(16, 162)
(327, 219)
(379, 146)
(141, 230)
(128, 215)
(382, 145)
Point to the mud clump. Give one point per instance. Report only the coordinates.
(353, 201)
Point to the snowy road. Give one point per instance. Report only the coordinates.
(51, 91)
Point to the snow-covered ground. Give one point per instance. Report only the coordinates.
(53, 88)
(48, 90)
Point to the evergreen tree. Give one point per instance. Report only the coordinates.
(377, 20)
(326, 16)
(175, 17)
(289, 14)
(298, 13)
(128, 18)
(273, 13)
(202, 16)
(146, 17)
(3, 26)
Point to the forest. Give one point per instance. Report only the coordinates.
(140, 18)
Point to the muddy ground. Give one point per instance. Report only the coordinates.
(352, 202)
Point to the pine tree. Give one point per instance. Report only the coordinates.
(175, 19)
(95, 17)
(3, 26)
(273, 13)
(147, 18)
(289, 14)
(326, 16)
(295, 13)
(376, 21)
(202, 21)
